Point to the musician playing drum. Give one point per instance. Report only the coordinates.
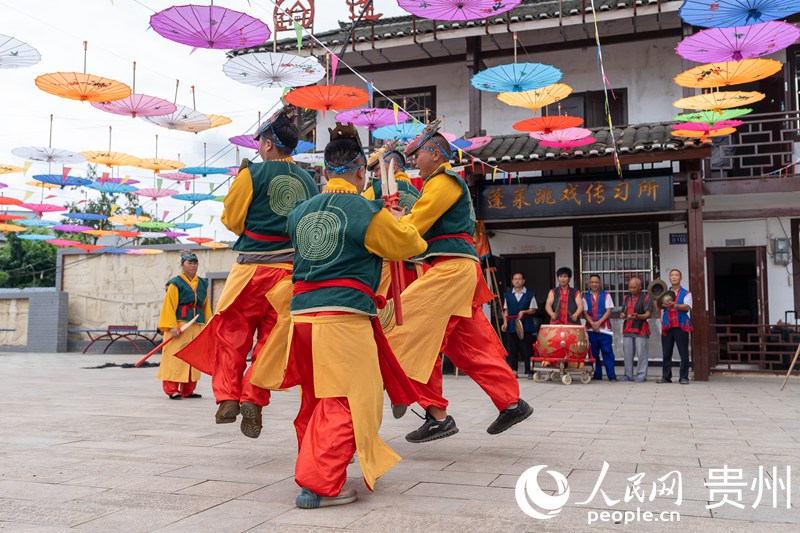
(564, 303)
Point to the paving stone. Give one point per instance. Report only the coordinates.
(132, 521)
(43, 492)
(232, 516)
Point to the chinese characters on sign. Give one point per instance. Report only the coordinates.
(575, 198)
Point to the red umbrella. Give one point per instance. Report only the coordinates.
(548, 124)
(88, 247)
(199, 240)
(127, 234)
(326, 97)
(7, 218)
(7, 200)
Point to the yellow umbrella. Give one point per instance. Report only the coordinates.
(214, 245)
(99, 232)
(128, 220)
(214, 121)
(111, 159)
(728, 73)
(537, 98)
(158, 164)
(42, 184)
(10, 169)
(145, 251)
(703, 135)
(13, 227)
(719, 100)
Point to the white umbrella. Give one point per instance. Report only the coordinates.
(265, 69)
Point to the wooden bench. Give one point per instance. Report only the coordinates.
(114, 333)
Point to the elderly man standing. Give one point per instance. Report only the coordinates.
(636, 310)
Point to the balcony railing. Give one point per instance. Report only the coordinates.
(753, 347)
(765, 145)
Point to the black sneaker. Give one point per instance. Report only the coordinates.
(433, 429)
(510, 417)
(664, 380)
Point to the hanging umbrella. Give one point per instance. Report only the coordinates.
(566, 134)
(179, 177)
(5, 217)
(34, 237)
(138, 105)
(702, 126)
(174, 234)
(371, 117)
(182, 119)
(274, 71)
(515, 77)
(37, 223)
(719, 100)
(537, 98)
(71, 228)
(712, 117)
(204, 171)
(48, 155)
(726, 13)
(5, 228)
(110, 187)
(193, 197)
(302, 147)
(88, 247)
(214, 121)
(63, 243)
(128, 234)
(145, 251)
(155, 224)
(111, 159)
(728, 73)
(39, 209)
(199, 240)
(478, 142)
(10, 169)
(569, 144)
(548, 124)
(82, 86)
(188, 225)
(461, 144)
(3, 185)
(125, 181)
(157, 164)
(42, 185)
(702, 135)
(150, 235)
(61, 181)
(100, 232)
(16, 54)
(716, 45)
(326, 97)
(7, 200)
(245, 141)
(457, 9)
(155, 194)
(220, 198)
(308, 158)
(214, 245)
(209, 27)
(403, 132)
(85, 216)
(116, 251)
(127, 220)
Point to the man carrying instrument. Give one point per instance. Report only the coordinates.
(598, 305)
(564, 303)
(636, 310)
(442, 309)
(519, 306)
(338, 348)
(675, 327)
(186, 298)
(258, 289)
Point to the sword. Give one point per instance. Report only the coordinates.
(391, 196)
(167, 341)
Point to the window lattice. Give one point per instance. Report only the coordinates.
(616, 257)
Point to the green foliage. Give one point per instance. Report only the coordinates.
(27, 263)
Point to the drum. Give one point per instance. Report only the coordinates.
(556, 340)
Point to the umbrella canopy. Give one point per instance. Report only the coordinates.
(203, 171)
(537, 98)
(37, 223)
(712, 117)
(61, 181)
(42, 185)
(43, 208)
(199, 240)
(302, 147)
(478, 142)
(214, 121)
(138, 105)
(187, 225)
(402, 132)
(100, 232)
(116, 251)
(180, 176)
(245, 141)
(183, 118)
(515, 77)
(703, 126)
(111, 159)
(5, 217)
(48, 155)
(10, 169)
(63, 243)
(157, 164)
(703, 135)
(34, 237)
(110, 187)
(85, 216)
(145, 251)
(193, 197)
(174, 234)
(155, 194)
(72, 228)
(728, 73)
(214, 245)
(563, 135)
(88, 247)
(548, 124)
(5, 228)
(83, 87)
(154, 224)
(264, 69)
(220, 198)
(738, 42)
(371, 117)
(127, 220)
(7, 200)
(128, 234)
(126, 180)
(209, 27)
(726, 13)
(308, 158)
(457, 9)
(719, 100)
(327, 97)
(3, 185)
(16, 54)
(569, 145)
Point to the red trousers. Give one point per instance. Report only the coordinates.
(185, 389)
(235, 327)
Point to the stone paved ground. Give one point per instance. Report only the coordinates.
(105, 450)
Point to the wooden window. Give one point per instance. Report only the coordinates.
(590, 106)
(415, 101)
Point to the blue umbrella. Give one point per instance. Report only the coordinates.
(516, 77)
(114, 251)
(193, 197)
(402, 132)
(461, 143)
(110, 187)
(34, 237)
(188, 225)
(85, 216)
(36, 223)
(204, 171)
(727, 13)
(303, 147)
(61, 181)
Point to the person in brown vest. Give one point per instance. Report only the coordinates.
(564, 303)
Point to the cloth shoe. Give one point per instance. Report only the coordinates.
(640, 380)
(251, 419)
(194, 395)
(309, 500)
(433, 429)
(625, 378)
(510, 417)
(399, 410)
(664, 380)
(175, 396)
(684, 381)
(227, 412)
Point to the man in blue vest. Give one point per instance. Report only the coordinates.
(518, 309)
(675, 327)
(598, 306)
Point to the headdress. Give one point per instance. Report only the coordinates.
(390, 149)
(346, 131)
(427, 135)
(188, 255)
(280, 117)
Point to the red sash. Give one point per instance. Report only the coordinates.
(464, 236)
(266, 238)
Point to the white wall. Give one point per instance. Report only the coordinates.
(535, 240)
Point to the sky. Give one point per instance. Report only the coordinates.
(117, 32)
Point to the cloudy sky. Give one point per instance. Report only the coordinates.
(117, 34)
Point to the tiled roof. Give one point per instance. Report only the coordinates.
(396, 27)
(630, 139)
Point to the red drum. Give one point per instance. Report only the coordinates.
(556, 341)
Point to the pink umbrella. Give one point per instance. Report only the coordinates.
(209, 27)
(478, 142)
(702, 126)
(457, 9)
(138, 105)
(180, 176)
(570, 144)
(567, 134)
(244, 140)
(371, 117)
(72, 228)
(63, 243)
(717, 45)
(155, 194)
(43, 208)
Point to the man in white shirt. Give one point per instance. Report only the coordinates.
(519, 306)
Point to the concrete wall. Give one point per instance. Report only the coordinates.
(14, 320)
(38, 317)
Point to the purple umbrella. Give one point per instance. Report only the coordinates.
(457, 9)
(703, 126)
(245, 141)
(371, 117)
(138, 105)
(209, 27)
(174, 234)
(737, 43)
(72, 228)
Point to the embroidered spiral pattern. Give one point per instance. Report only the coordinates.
(407, 199)
(318, 236)
(284, 193)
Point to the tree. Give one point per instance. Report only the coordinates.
(26, 263)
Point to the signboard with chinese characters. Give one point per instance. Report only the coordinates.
(583, 198)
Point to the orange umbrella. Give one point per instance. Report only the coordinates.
(82, 86)
(703, 135)
(719, 100)
(199, 240)
(7, 200)
(214, 245)
(127, 220)
(728, 73)
(10, 169)
(128, 234)
(218, 120)
(88, 247)
(42, 184)
(100, 232)
(4, 217)
(548, 124)
(5, 228)
(326, 97)
(537, 98)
